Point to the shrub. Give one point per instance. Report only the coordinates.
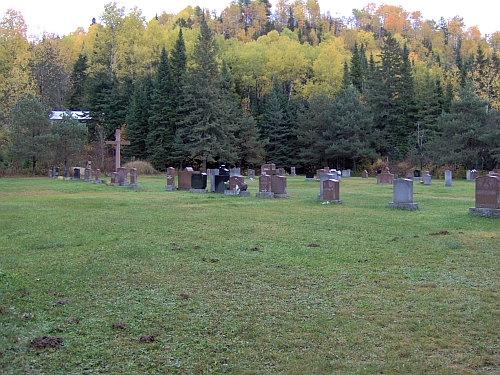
(143, 167)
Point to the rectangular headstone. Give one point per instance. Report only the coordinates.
(488, 192)
(292, 172)
(184, 178)
(251, 174)
(235, 172)
(88, 175)
(448, 178)
(265, 187)
(281, 171)
(403, 195)
(97, 176)
(170, 179)
(114, 179)
(427, 179)
(279, 186)
(331, 189)
(122, 176)
(213, 173)
(364, 174)
(385, 178)
(268, 169)
(220, 183)
(346, 173)
(199, 181)
(133, 179)
(322, 178)
(76, 174)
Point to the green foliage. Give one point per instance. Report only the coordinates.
(29, 133)
(71, 136)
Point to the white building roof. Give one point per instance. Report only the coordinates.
(79, 115)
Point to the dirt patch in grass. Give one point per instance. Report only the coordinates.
(442, 232)
(147, 338)
(46, 342)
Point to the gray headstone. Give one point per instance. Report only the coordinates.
(213, 172)
(447, 178)
(235, 172)
(403, 195)
(427, 179)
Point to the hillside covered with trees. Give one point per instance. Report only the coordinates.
(288, 85)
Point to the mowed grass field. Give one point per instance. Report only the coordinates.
(98, 279)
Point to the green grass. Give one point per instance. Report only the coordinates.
(230, 285)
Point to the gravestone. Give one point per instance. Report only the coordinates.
(331, 191)
(448, 178)
(88, 174)
(57, 172)
(251, 174)
(49, 173)
(338, 174)
(221, 179)
(346, 173)
(364, 174)
(265, 187)
(235, 172)
(184, 178)
(310, 176)
(319, 172)
(427, 179)
(170, 186)
(122, 176)
(66, 173)
(409, 173)
(237, 186)
(117, 142)
(269, 169)
(416, 175)
(213, 173)
(322, 178)
(198, 182)
(281, 172)
(292, 172)
(114, 179)
(385, 178)
(279, 186)
(133, 179)
(97, 176)
(487, 197)
(76, 174)
(403, 195)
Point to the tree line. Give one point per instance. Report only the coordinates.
(248, 86)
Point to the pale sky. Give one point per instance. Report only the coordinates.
(62, 16)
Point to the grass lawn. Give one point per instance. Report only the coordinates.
(99, 279)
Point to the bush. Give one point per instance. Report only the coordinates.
(143, 167)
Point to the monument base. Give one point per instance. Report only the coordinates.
(170, 188)
(310, 179)
(404, 206)
(485, 212)
(123, 184)
(244, 193)
(75, 179)
(96, 181)
(231, 192)
(133, 186)
(265, 194)
(199, 191)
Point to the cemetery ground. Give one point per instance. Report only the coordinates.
(99, 279)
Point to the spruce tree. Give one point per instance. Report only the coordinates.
(207, 128)
(161, 116)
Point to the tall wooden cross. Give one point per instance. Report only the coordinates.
(118, 143)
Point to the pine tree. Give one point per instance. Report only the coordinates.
(138, 120)
(76, 100)
(207, 128)
(161, 116)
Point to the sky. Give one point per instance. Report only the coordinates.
(62, 17)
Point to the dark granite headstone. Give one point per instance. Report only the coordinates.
(199, 181)
(76, 174)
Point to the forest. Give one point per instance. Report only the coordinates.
(253, 84)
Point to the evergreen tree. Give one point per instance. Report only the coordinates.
(350, 134)
(70, 136)
(207, 128)
(276, 127)
(137, 119)
(462, 131)
(357, 75)
(313, 118)
(29, 133)
(162, 115)
(76, 99)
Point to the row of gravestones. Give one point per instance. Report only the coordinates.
(487, 194)
(272, 181)
(118, 178)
